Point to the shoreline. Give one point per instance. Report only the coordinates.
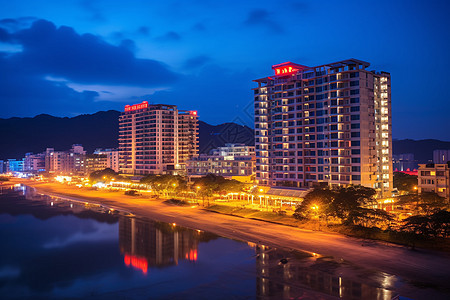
(420, 265)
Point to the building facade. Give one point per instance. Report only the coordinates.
(14, 165)
(34, 162)
(234, 160)
(404, 162)
(329, 124)
(434, 178)
(69, 162)
(441, 156)
(156, 139)
(95, 162)
(112, 158)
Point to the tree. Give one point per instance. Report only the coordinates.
(105, 175)
(165, 184)
(424, 203)
(434, 225)
(316, 203)
(211, 184)
(347, 205)
(405, 182)
(351, 199)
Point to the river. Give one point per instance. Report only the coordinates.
(54, 248)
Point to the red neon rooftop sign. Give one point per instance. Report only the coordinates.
(287, 68)
(136, 106)
(284, 70)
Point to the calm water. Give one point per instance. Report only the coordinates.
(53, 248)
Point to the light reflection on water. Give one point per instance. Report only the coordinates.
(61, 248)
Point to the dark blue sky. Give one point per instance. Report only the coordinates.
(71, 57)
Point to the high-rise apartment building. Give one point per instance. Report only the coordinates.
(329, 124)
(156, 139)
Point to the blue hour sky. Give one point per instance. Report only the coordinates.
(66, 58)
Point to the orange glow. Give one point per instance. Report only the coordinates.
(136, 262)
(285, 70)
(192, 255)
(136, 106)
(193, 113)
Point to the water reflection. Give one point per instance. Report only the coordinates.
(82, 250)
(285, 274)
(146, 243)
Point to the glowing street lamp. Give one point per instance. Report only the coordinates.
(315, 207)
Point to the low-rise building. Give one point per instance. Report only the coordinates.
(435, 178)
(69, 162)
(235, 161)
(13, 165)
(112, 158)
(34, 163)
(95, 162)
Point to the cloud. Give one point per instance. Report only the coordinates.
(262, 18)
(144, 30)
(169, 36)
(85, 58)
(95, 12)
(196, 62)
(199, 27)
(47, 52)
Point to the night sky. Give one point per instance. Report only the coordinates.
(66, 58)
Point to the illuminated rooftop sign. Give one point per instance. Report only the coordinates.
(193, 112)
(285, 70)
(136, 106)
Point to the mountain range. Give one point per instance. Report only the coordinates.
(100, 130)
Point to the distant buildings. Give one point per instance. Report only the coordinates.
(95, 162)
(404, 162)
(435, 178)
(156, 139)
(13, 165)
(441, 156)
(34, 163)
(112, 158)
(236, 161)
(328, 124)
(69, 162)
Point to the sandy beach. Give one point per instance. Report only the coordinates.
(413, 265)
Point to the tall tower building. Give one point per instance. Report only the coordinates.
(156, 139)
(329, 124)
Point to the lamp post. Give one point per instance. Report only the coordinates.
(315, 209)
(198, 190)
